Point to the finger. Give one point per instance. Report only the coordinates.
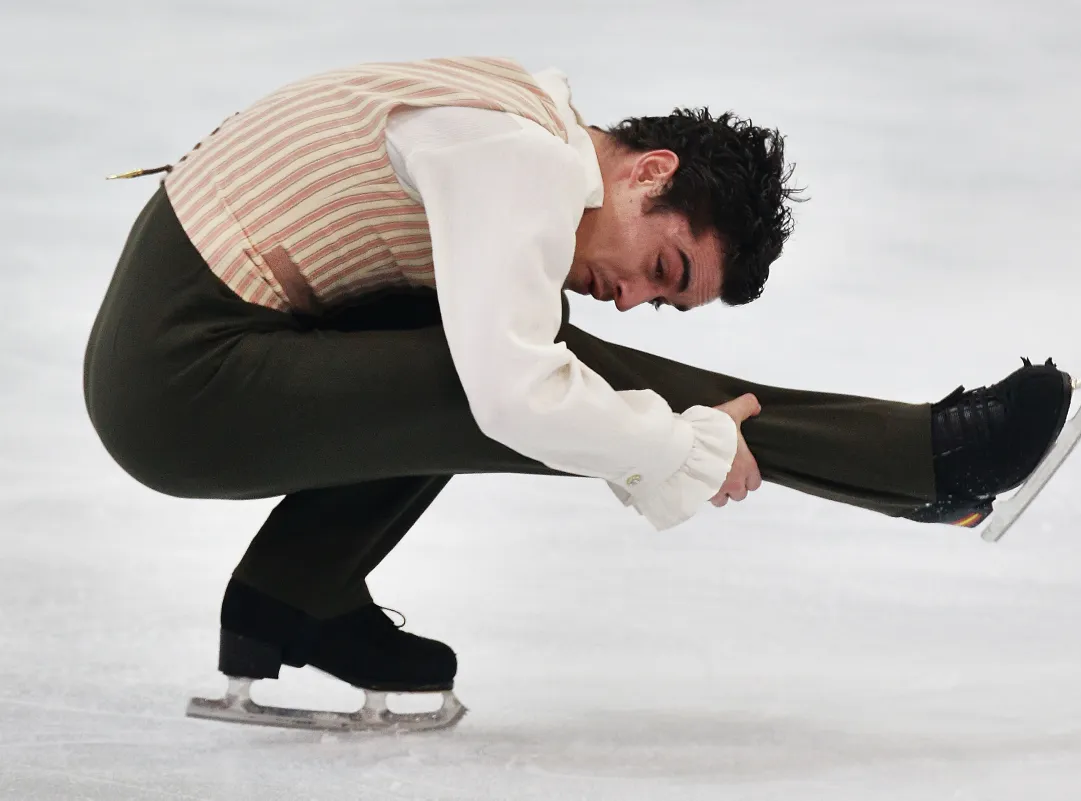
(756, 407)
(743, 407)
(738, 495)
(719, 500)
(754, 481)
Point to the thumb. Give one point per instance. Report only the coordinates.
(742, 407)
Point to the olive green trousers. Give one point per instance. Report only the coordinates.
(359, 420)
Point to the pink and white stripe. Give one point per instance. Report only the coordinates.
(293, 202)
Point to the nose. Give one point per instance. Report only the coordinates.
(633, 292)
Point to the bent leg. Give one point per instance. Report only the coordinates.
(317, 547)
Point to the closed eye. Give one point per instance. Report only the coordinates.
(658, 275)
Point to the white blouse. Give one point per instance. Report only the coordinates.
(503, 199)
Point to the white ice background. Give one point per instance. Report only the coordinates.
(784, 648)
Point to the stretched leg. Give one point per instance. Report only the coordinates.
(870, 453)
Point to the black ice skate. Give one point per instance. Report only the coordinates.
(990, 440)
(363, 648)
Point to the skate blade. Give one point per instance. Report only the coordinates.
(238, 707)
(1008, 511)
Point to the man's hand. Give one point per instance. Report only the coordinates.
(744, 476)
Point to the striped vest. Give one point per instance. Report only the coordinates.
(293, 202)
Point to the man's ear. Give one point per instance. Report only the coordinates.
(653, 171)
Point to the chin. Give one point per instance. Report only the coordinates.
(577, 280)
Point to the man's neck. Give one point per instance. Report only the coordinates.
(604, 145)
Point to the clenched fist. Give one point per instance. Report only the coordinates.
(744, 477)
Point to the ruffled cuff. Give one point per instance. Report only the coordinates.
(703, 472)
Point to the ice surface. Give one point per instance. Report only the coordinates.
(784, 648)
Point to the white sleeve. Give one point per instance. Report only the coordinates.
(503, 210)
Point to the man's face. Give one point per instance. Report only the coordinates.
(630, 251)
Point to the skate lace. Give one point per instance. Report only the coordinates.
(395, 611)
(969, 418)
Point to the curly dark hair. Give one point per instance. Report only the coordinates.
(731, 178)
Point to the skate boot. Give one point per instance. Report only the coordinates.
(363, 648)
(988, 441)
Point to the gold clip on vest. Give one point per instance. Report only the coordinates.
(139, 172)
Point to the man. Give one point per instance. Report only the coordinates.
(352, 291)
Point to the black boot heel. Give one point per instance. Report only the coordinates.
(244, 657)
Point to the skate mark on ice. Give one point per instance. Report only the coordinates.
(76, 777)
(734, 750)
(51, 706)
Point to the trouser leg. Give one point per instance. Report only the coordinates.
(865, 452)
(318, 546)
